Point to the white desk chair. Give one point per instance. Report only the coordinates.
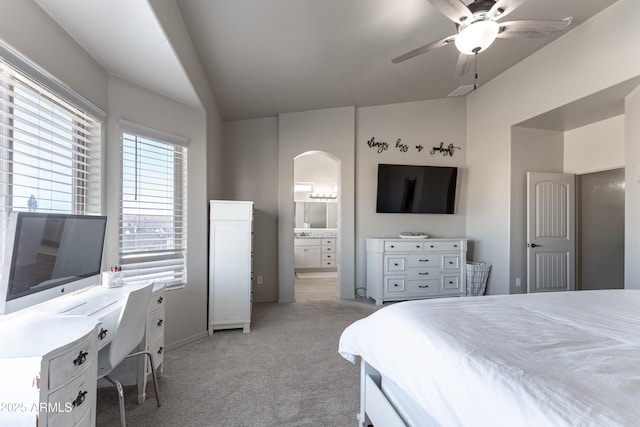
(128, 335)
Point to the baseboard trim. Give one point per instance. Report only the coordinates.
(187, 340)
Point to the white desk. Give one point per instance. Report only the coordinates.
(32, 340)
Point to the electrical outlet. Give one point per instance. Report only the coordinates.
(518, 282)
(259, 280)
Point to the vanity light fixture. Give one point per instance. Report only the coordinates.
(323, 195)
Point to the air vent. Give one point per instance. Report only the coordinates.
(461, 91)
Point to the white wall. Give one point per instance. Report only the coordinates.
(595, 147)
(632, 191)
(331, 131)
(532, 150)
(186, 308)
(26, 27)
(251, 146)
(594, 56)
(425, 123)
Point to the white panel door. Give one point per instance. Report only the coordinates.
(550, 232)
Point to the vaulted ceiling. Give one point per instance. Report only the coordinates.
(265, 57)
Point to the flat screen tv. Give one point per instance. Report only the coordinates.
(48, 255)
(416, 189)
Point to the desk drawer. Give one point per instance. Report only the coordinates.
(107, 328)
(156, 348)
(155, 325)
(71, 363)
(69, 405)
(157, 301)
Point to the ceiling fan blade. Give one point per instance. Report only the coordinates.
(532, 28)
(464, 64)
(423, 49)
(503, 7)
(453, 9)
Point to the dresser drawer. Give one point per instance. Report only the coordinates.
(328, 263)
(395, 264)
(423, 273)
(403, 246)
(443, 246)
(328, 242)
(69, 405)
(327, 249)
(71, 363)
(394, 285)
(422, 260)
(450, 282)
(418, 287)
(328, 256)
(450, 262)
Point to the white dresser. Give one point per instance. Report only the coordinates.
(230, 264)
(48, 370)
(405, 269)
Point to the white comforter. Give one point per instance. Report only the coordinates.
(550, 359)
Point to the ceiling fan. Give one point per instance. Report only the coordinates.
(478, 26)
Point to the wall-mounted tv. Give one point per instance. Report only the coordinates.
(416, 189)
(49, 255)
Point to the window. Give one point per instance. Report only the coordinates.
(153, 229)
(49, 144)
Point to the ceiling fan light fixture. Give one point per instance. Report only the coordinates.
(477, 36)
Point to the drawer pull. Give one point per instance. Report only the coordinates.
(423, 286)
(417, 246)
(395, 263)
(431, 246)
(160, 299)
(102, 334)
(82, 357)
(423, 260)
(80, 399)
(160, 322)
(160, 350)
(423, 273)
(396, 285)
(393, 246)
(450, 262)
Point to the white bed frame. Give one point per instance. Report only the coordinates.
(375, 408)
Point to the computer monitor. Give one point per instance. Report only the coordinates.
(49, 255)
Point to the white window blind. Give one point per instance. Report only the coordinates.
(49, 147)
(153, 228)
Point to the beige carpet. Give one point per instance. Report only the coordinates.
(285, 372)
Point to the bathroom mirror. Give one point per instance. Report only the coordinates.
(316, 214)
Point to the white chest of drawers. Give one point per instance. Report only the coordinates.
(405, 269)
(48, 371)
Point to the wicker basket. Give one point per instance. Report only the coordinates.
(477, 275)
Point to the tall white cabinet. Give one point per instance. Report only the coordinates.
(230, 264)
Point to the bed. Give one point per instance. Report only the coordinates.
(547, 359)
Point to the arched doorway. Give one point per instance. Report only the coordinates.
(316, 206)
